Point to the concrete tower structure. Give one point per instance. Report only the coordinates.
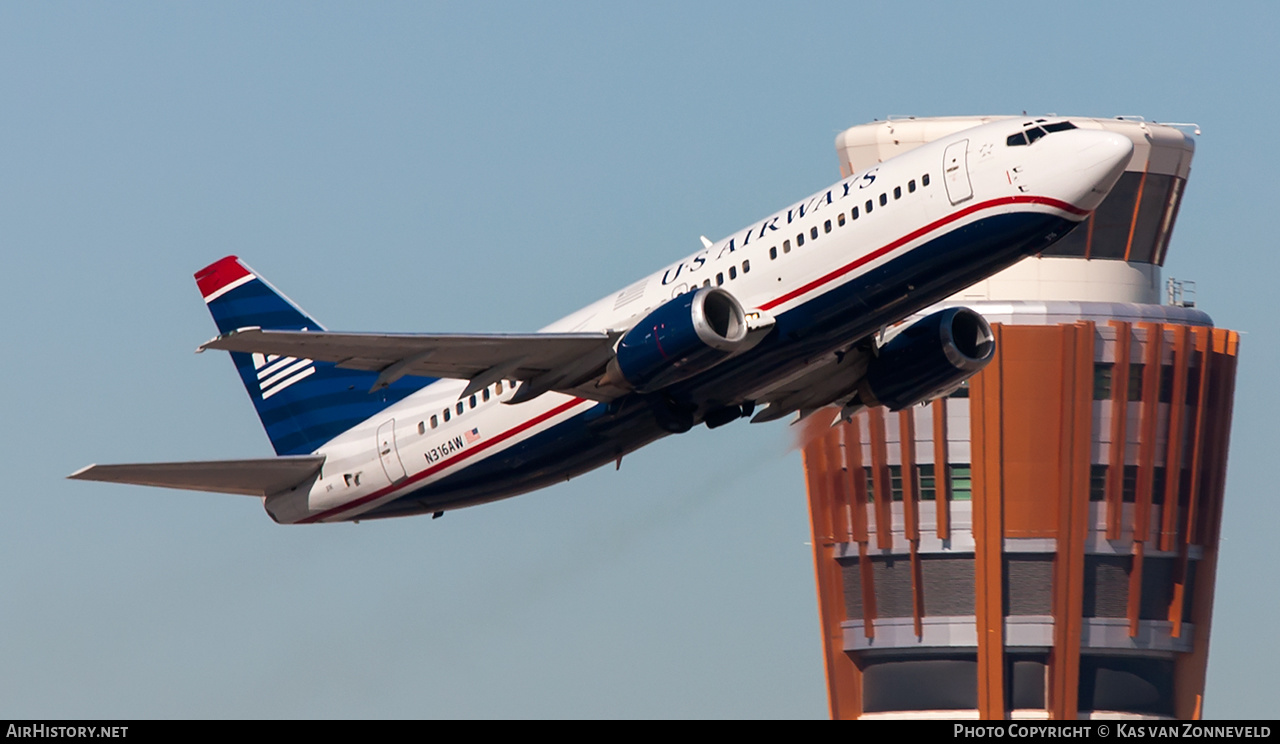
(1042, 542)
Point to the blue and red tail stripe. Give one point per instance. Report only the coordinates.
(302, 403)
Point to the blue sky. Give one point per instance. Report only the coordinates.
(492, 167)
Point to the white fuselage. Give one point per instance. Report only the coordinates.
(801, 258)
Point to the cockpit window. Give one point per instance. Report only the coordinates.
(1033, 132)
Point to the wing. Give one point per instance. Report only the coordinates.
(565, 362)
(823, 382)
(261, 477)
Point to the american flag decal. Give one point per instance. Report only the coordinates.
(472, 435)
(275, 373)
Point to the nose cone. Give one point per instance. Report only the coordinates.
(1101, 157)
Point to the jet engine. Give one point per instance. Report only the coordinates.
(688, 335)
(928, 359)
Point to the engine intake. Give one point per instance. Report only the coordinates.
(688, 335)
(928, 358)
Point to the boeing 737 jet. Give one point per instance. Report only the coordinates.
(792, 313)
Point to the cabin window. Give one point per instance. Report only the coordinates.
(422, 428)
(826, 226)
(911, 186)
(746, 266)
(473, 401)
(706, 283)
(485, 395)
(854, 214)
(897, 192)
(884, 199)
(840, 219)
(800, 240)
(497, 389)
(773, 253)
(446, 415)
(461, 407)
(786, 246)
(924, 180)
(813, 232)
(435, 421)
(868, 206)
(733, 272)
(719, 279)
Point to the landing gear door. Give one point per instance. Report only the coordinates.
(388, 453)
(955, 172)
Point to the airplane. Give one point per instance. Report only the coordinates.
(799, 311)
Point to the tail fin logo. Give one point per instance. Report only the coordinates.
(275, 373)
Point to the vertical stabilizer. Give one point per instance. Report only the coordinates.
(302, 403)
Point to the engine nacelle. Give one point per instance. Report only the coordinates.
(689, 334)
(928, 358)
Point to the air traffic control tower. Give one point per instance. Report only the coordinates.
(1041, 543)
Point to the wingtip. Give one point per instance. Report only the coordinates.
(78, 475)
(210, 344)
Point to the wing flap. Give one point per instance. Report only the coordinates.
(825, 382)
(258, 477)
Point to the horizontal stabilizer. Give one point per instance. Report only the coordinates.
(260, 477)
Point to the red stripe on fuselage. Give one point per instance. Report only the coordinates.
(482, 446)
(219, 274)
(837, 273)
(809, 287)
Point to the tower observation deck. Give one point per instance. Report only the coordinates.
(1042, 542)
